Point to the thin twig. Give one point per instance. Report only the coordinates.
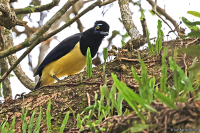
(161, 11)
(41, 8)
(88, 96)
(155, 11)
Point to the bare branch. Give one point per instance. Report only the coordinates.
(161, 11)
(144, 24)
(127, 19)
(8, 18)
(80, 25)
(23, 78)
(37, 8)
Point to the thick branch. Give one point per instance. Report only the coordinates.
(8, 18)
(161, 11)
(23, 78)
(7, 92)
(127, 19)
(37, 8)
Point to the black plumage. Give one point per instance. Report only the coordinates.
(74, 47)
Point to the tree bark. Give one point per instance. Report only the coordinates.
(127, 19)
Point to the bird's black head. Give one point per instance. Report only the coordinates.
(101, 27)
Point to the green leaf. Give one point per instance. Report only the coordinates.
(89, 63)
(191, 25)
(192, 50)
(23, 117)
(48, 116)
(198, 98)
(164, 99)
(196, 67)
(159, 38)
(139, 127)
(119, 103)
(105, 54)
(130, 96)
(194, 13)
(142, 14)
(64, 122)
(194, 34)
(148, 41)
(152, 13)
(30, 127)
(137, 78)
(79, 123)
(37, 126)
(12, 130)
(124, 37)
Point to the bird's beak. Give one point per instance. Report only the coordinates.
(104, 33)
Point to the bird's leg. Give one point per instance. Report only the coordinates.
(55, 78)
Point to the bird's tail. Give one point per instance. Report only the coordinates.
(38, 84)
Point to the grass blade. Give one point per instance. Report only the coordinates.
(89, 63)
(48, 116)
(164, 99)
(64, 122)
(37, 126)
(30, 127)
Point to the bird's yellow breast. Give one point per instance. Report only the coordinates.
(70, 64)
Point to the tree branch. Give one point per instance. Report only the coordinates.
(127, 19)
(8, 18)
(29, 9)
(161, 11)
(23, 78)
(7, 92)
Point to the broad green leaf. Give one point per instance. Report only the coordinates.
(194, 34)
(130, 96)
(196, 67)
(192, 50)
(194, 13)
(191, 25)
(165, 100)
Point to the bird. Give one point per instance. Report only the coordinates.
(69, 56)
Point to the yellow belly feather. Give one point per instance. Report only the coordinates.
(70, 64)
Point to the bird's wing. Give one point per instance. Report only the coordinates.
(59, 51)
